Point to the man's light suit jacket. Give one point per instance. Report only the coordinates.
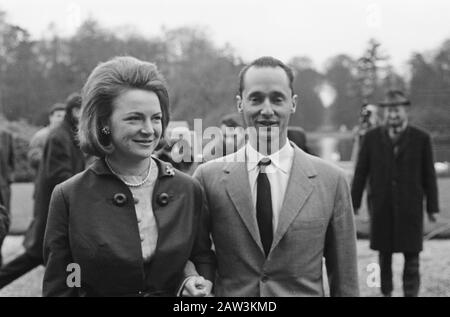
(315, 222)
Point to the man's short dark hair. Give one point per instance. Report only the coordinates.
(266, 61)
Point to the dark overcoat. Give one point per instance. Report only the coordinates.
(397, 186)
(6, 166)
(92, 222)
(298, 136)
(4, 221)
(61, 159)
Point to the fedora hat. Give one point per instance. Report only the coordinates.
(395, 98)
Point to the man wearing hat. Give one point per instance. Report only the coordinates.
(397, 160)
(37, 143)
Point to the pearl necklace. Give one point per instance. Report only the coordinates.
(127, 183)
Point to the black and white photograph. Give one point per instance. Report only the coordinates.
(225, 149)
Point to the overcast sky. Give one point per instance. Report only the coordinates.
(282, 28)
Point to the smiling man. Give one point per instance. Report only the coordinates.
(275, 211)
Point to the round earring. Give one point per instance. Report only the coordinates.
(106, 131)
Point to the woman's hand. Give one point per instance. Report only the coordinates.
(197, 286)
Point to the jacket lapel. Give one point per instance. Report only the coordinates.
(238, 188)
(165, 172)
(297, 192)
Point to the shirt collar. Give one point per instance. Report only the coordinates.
(281, 159)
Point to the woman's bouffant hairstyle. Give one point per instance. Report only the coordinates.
(106, 82)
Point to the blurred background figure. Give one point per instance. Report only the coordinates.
(369, 118)
(298, 136)
(6, 172)
(4, 220)
(37, 142)
(233, 138)
(396, 160)
(176, 147)
(171, 150)
(61, 159)
(6, 166)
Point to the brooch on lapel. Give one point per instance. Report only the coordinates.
(169, 170)
(163, 199)
(120, 199)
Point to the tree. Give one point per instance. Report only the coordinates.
(310, 110)
(19, 71)
(340, 72)
(202, 78)
(430, 96)
(368, 73)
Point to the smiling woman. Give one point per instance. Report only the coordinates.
(130, 221)
(135, 127)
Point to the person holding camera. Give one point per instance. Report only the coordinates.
(368, 119)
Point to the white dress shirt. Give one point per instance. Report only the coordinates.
(278, 173)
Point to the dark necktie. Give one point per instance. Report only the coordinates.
(264, 206)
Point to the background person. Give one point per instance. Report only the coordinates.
(7, 167)
(61, 159)
(396, 160)
(368, 119)
(233, 138)
(4, 220)
(298, 136)
(37, 142)
(173, 151)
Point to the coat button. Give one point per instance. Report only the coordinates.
(120, 199)
(264, 279)
(163, 199)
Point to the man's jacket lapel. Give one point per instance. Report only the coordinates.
(297, 192)
(238, 188)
